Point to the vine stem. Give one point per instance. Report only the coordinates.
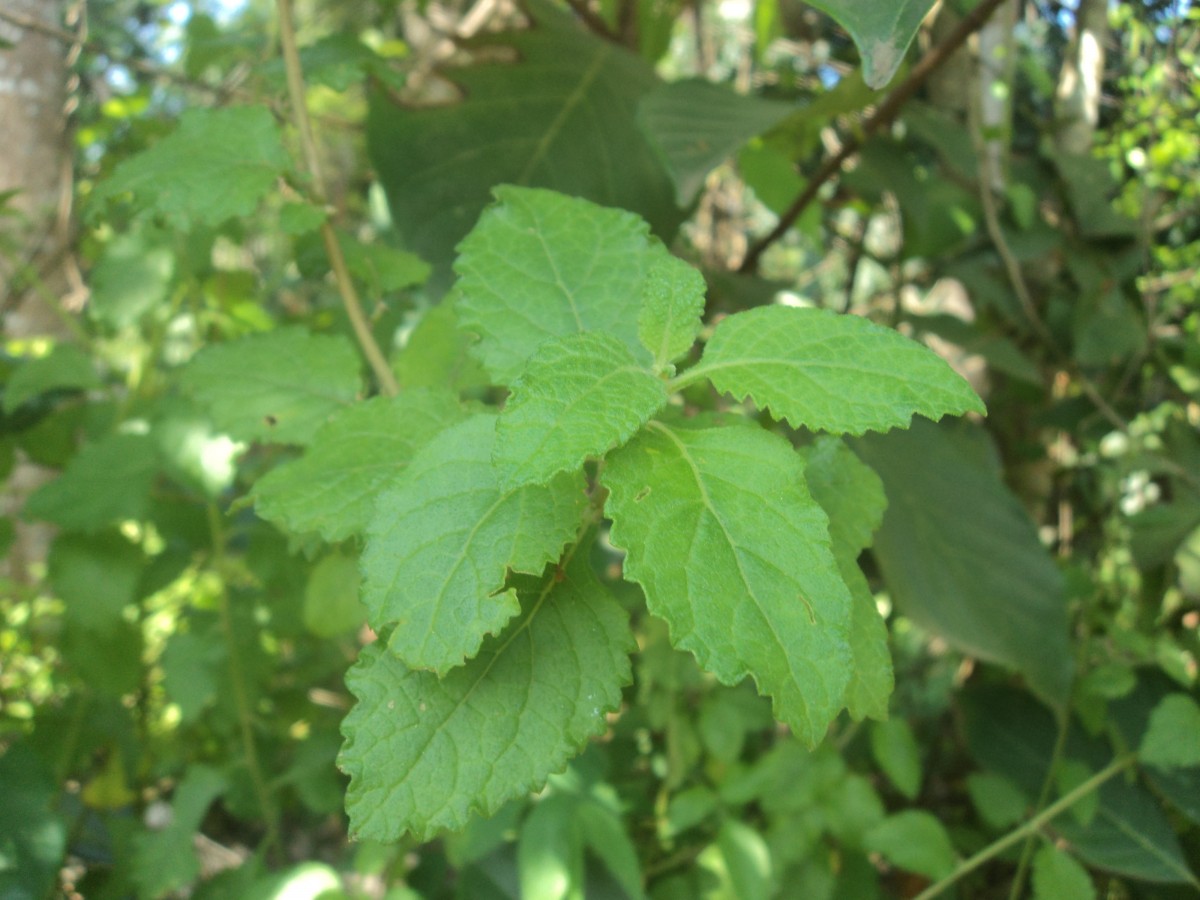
(1116, 767)
(333, 250)
(882, 117)
(237, 674)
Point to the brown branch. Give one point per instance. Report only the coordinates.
(882, 117)
(594, 23)
(333, 250)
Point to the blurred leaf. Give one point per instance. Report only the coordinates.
(355, 455)
(961, 557)
(331, 604)
(697, 125)
(550, 851)
(33, 835)
(916, 841)
(192, 663)
(165, 860)
(66, 367)
(96, 576)
(999, 802)
(279, 387)
(132, 277)
(895, 749)
(1056, 876)
(882, 31)
(1172, 739)
(107, 481)
(217, 165)
(537, 692)
(437, 354)
(550, 119)
(382, 268)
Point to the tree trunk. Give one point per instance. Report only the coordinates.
(35, 161)
(1077, 101)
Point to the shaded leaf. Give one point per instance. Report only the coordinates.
(696, 125)
(437, 353)
(166, 860)
(1172, 740)
(895, 749)
(106, 482)
(1056, 876)
(218, 164)
(359, 452)
(578, 397)
(423, 753)
(280, 386)
(443, 539)
(961, 557)
(65, 367)
(732, 551)
(96, 576)
(551, 119)
(830, 372)
(914, 840)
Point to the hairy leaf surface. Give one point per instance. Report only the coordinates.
(541, 265)
(672, 306)
(332, 488)
(443, 539)
(218, 164)
(424, 753)
(732, 551)
(830, 372)
(578, 397)
(852, 496)
(280, 386)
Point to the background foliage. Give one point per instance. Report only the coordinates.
(173, 679)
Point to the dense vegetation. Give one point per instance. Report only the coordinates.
(646, 449)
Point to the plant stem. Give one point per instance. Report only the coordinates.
(237, 674)
(333, 250)
(1060, 744)
(994, 849)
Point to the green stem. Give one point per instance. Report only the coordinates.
(333, 250)
(994, 849)
(237, 674)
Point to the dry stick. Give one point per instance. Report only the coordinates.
(882, 117)
(337, 260)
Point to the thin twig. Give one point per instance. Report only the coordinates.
(594, 23)
(882, 117)
(337, 260)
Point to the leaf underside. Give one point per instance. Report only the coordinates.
(425, 753)
(720, 531)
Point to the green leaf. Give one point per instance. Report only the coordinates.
(961, 557)
(550, 851)
(914, 840)
(443, 539)
(881, 31)
(744, 863)
(852, 496)
(672, 306)
(383, 268)
(96, 576)
(359, 452)
(66, 367)
(107, 481)
(579, 396)
(279, 387)
(217, 165)
(132, 276)
(1172, 739)
(33, 832)
(541, 265)
(436, 354)
(895, 749)
(830, 372)
(423, 753)
(696, 125)
(732, 551)
(999, 802)
(1057, 876)
(192, 666)
(165, 861)
(551, 119)
(331, 604)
